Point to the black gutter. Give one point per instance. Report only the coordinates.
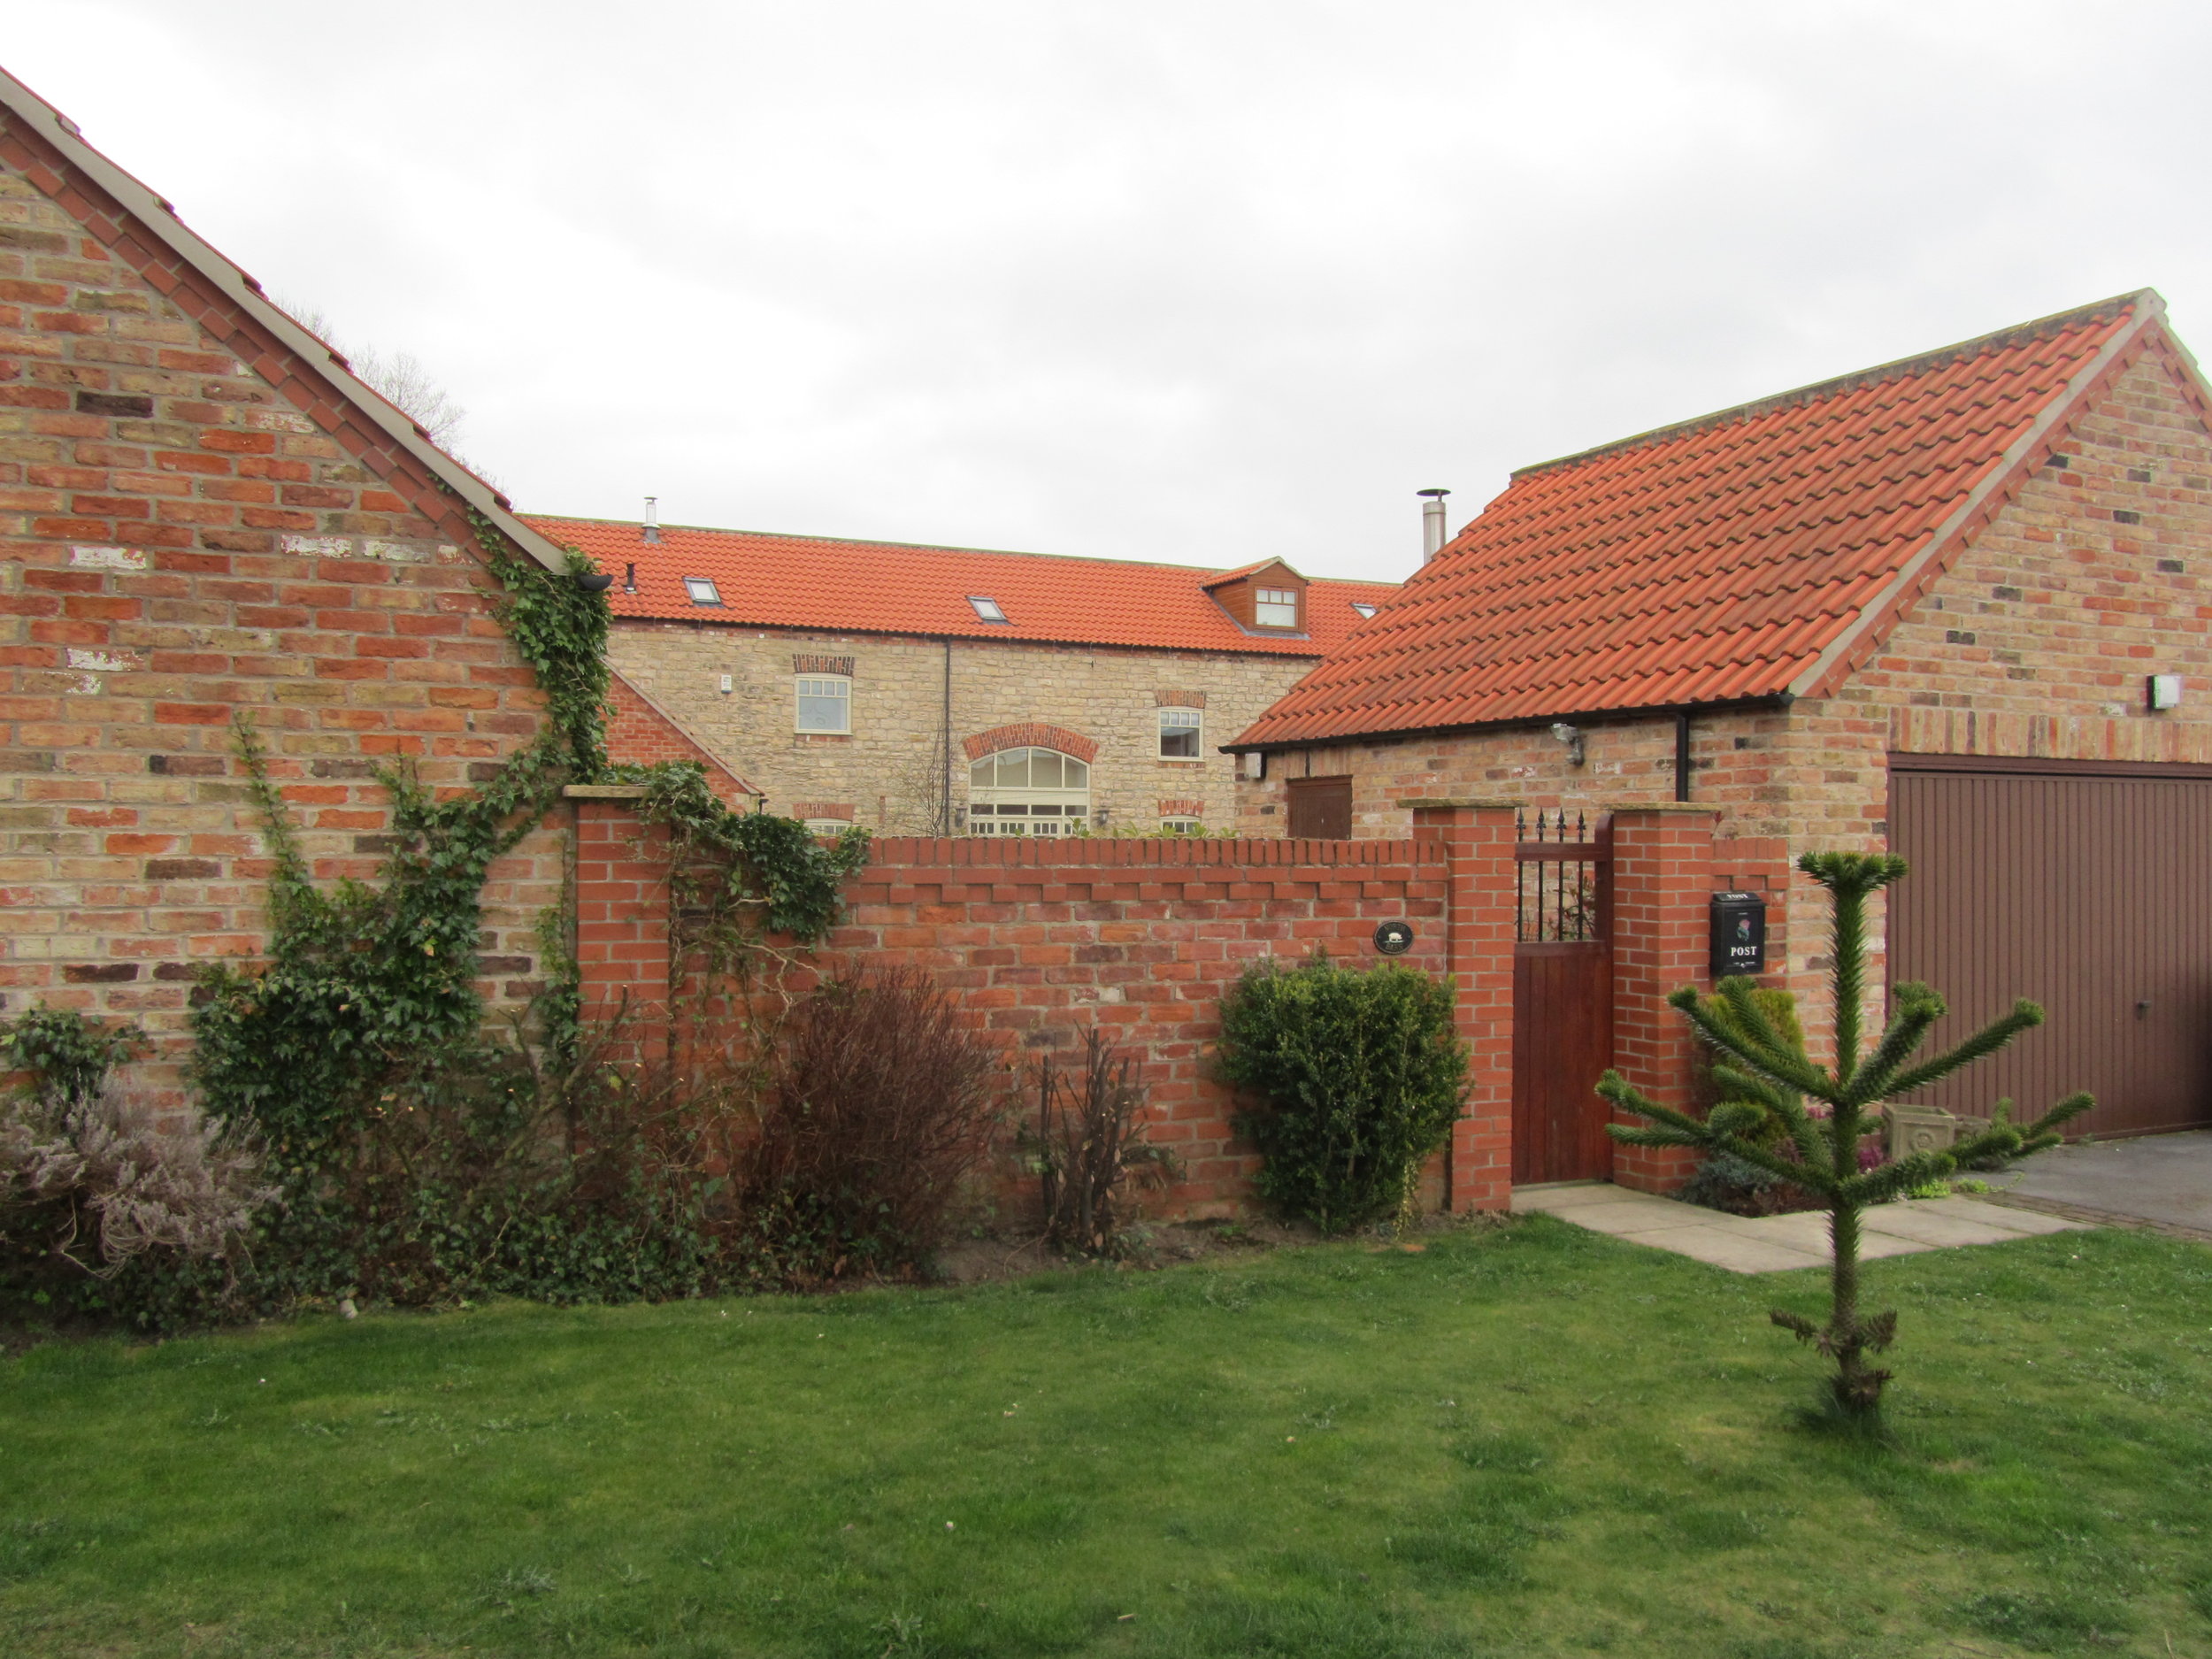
(1397, 734)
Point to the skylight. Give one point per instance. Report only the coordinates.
(1365, 610)
(987, 609)
(703, 592)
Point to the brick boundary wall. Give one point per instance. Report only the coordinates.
(1039, 938)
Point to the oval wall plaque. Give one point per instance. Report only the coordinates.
(1393, 939)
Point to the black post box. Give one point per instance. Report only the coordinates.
(1739, 934)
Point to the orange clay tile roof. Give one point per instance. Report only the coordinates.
(820, 582)
(1756, 553)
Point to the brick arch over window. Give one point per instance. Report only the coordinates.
(1030, 735)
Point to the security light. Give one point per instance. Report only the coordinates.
(1571, 736)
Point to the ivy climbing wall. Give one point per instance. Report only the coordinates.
(195, 522)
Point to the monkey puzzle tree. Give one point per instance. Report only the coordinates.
(1761, 1069)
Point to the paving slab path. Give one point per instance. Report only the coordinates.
(1775, 1244)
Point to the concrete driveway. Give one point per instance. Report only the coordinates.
(2162, 1179)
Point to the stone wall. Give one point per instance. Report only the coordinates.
(886, 773)
(193, 524)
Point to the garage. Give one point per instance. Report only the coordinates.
(2086, 886)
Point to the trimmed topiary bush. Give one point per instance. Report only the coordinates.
(1362, 1075)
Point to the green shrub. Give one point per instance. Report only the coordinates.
(1362, 1075)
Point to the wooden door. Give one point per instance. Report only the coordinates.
(2086, 887)
(1562, 1042)
(1321, 808)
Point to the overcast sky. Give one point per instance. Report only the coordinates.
(1190, 281)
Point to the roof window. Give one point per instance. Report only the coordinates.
(988, 608)
(1364, 611)
(703, 592)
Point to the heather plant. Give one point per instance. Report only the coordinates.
(1827, 1112)
(94, 1184)
(1362, 1075)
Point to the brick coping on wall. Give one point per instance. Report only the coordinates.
(1141, 937)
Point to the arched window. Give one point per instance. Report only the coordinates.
(1028, 792)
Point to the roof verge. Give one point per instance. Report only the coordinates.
(2145, 302)
(160, 221)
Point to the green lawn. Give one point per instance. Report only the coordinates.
(1521, 1439)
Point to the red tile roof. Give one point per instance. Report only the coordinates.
(1756, 553)
(820, 582)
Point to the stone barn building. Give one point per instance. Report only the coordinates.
(1955, 605)
(932, 690)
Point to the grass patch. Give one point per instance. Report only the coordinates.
(1525, 1439)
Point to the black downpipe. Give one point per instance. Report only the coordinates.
(944, 744)
(1681, 754)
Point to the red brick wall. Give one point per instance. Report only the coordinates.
(640, 733)
(1039, 938)
(192, 522)
(1478, 842)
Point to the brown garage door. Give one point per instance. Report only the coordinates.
(2087, 888)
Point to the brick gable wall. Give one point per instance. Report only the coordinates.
(2035, 642)
(640, 734)
(194, 523)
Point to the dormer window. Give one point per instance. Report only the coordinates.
(1364, 611)
(1274, 607)
(987, 609)
(703, 592)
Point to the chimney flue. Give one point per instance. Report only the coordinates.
(652, 517)
(1432, 535)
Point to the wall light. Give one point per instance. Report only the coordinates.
(1571, 736)
(2164, 691)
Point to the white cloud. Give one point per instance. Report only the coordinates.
(1188, 281)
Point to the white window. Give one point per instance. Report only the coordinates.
(1364, 611)
(1275, 607)
(1182, 826)
(1028, 792)
(828, 826)
(825, 703)
(703, 592)
(987, 609)
(1178, 733)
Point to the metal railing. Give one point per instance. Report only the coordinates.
(1559, 879)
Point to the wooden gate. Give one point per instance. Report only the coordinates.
(1562, 1000)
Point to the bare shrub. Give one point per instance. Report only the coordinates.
(883, 1105)
(104, 1181)
(1090, 1152)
